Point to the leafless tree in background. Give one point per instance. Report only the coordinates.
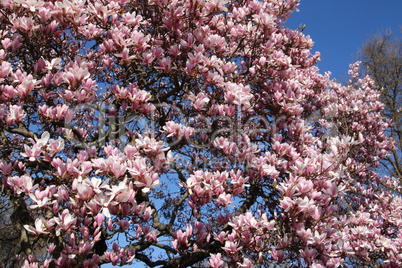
(381, 58)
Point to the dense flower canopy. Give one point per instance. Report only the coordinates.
(187, 132)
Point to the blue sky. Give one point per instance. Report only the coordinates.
(339, 28)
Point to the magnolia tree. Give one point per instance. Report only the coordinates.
(186, 133)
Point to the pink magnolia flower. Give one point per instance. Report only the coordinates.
(304, 186)
(84, 190)
(24, 24)
(308, 255)
(177, 130)
(165, 64)
(246, 263)
(182, 238)
(215, 261)
(115, 167)
(15, 114)
(144, 176)
(231, 248)
(125, 54)
(99, 205)
(7, 92)
(287, 203)
(75, 75)
(150, 145)
(149, 234)
(238, 94)
(41, 226)
(278, 255)
(124, 224)
(56, 146)
(21, 184)
(5, 168)
(224, 199)
(65, 222)
(112, 257)
(238, 182)
(27, 84)
(32, 5)
(121, 193)
(40, 199)
(6, 43)
(5, 67)
(32, 152)
(199, 100)
(227, 146)
(16, 42)
(59, 112)
(65, 169)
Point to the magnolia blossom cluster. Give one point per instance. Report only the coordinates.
(187, 132)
